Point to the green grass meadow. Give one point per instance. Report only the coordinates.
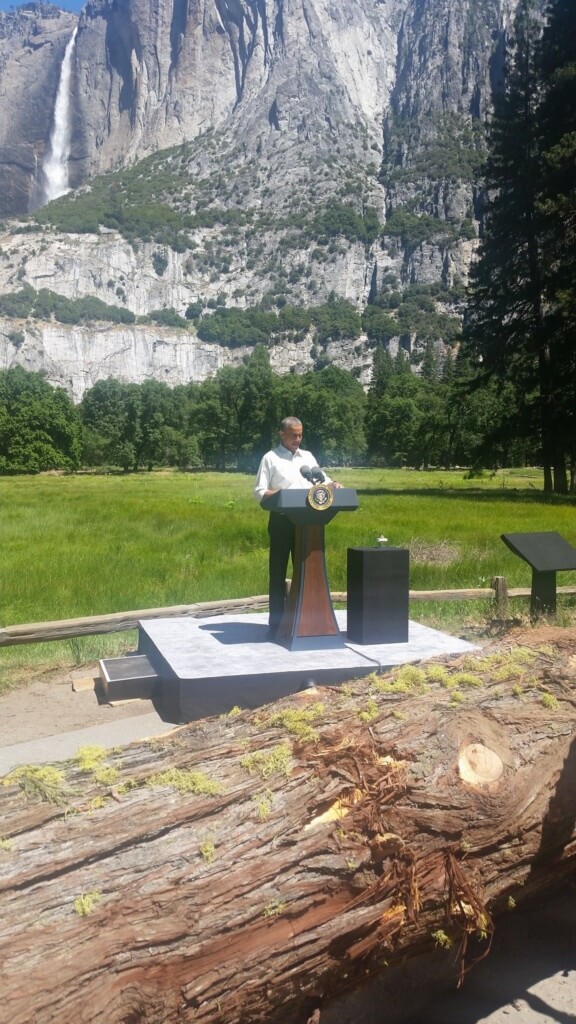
(89, 544)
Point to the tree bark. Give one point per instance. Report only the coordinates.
(320, 840)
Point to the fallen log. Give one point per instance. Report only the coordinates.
(251, 868)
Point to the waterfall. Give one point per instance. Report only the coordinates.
(55, 167)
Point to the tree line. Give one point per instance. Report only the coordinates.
(228, 421)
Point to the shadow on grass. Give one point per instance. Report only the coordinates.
(472, 494)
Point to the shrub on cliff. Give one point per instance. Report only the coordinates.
(45, 304)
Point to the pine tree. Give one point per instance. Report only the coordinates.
(505, 331)
(257, 416)
(557, 126)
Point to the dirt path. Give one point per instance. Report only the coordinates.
(48, 705)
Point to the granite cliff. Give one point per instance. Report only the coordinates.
(32, 44)
(270, 125)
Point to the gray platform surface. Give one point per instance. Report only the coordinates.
(227, 645)
(208, 666)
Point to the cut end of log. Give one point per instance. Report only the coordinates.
(479, 766)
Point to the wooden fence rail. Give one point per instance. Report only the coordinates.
(116, 622)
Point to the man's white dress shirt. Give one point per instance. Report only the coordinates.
(281, 468)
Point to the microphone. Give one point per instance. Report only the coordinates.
(306, 473)
(316, 475)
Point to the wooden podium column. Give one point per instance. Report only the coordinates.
(309, 613)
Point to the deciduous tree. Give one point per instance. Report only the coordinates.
(39, 426)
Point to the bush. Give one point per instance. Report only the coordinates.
(194, 311)
(167, 317)
(379, 325)
(45, 304)
(337, 319)
(343, 220)
(412, 229)
(159, 262)
(235, 327)
(18, 304)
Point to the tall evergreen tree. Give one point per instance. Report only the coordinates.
(394, 413)
(557, 126)
(331, 404)
(506, 331)
(382, 371)
(257, 410)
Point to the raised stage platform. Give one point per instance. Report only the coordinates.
(194, 668)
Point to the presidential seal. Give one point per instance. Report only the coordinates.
(320, 497)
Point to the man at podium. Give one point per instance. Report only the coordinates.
(287, 466)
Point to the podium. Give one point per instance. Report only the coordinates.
(309, 622)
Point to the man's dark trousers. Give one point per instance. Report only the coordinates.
(282, 533)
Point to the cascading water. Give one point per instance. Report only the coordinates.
(55, 169)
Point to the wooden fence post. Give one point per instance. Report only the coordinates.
(500, 587)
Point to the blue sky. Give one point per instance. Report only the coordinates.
(66, 5)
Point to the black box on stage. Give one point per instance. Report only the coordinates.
(378, 595)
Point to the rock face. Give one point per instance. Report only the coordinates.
(167, 70)
(32, 44)
(106, 266)
(149, 74)
(274, 109)
(75, 358)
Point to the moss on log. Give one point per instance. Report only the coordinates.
(252, 867)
